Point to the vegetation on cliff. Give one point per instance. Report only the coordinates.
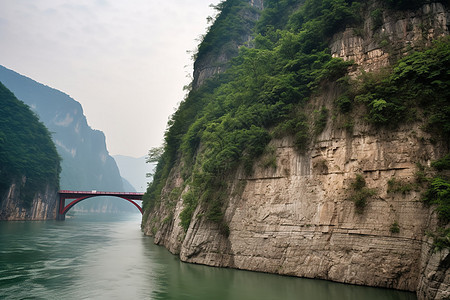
(438, 195)
(229, 120)
(227, 30)
(416, 88)
(27, 153)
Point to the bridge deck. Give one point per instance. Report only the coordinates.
(76, 194)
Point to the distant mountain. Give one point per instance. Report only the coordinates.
(127, 186)
(135, 170)
(86, 163)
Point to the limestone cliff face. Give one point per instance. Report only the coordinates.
(297, 219)
(375, 47)
(43, 205)
(434, 280)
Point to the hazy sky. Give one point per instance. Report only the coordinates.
(125, 61)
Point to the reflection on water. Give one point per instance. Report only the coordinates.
(107, 257)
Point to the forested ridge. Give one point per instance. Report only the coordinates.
(229, 120)
(28, 156)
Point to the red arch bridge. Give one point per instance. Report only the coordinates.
(78, 196)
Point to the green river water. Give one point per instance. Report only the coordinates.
(107, 257)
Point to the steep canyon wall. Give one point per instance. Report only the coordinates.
(296, 218)
(43, 205)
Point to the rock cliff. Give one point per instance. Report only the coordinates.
(29, 163)
(376, 46)
(295, 217)
(42, 207)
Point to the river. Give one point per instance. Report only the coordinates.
(107, 257)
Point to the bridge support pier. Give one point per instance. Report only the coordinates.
(61, 203)
(60, 217)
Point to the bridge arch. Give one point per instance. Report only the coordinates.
(79, 196)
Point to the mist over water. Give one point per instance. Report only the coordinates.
(94, 256)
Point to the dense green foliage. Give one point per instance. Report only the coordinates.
(227, 30)
(419, 81)
(438, 192)
(228, 121)
(437, 195)
(441, 239)
(442, 164)
(276, 14)
(26, 148)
